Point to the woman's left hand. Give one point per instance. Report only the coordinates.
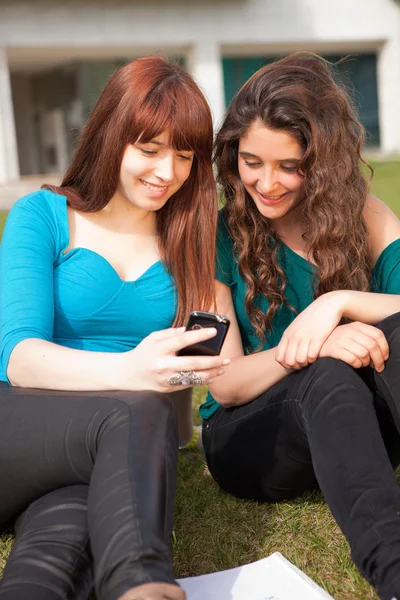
(303, 339)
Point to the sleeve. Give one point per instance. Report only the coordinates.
(224, 253)
(27, 255)
(386, 274)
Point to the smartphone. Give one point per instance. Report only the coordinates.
(198, 320)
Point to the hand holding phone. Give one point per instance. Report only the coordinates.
(212, 347)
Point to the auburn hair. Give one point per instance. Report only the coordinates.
(143, 99)
(298, 94)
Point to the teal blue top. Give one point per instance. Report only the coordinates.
(75, 298)
(299, 291)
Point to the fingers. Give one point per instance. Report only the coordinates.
(211, 375)
(281, 350)
(166, 333)
(369, 350)
(358, 343)
(187, 338)
(379, 337)
(350, 358)
(198, 363)
(206, 367)
(358, 350)
(296, 354)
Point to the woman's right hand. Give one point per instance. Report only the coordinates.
(150, 365)
(358, 345)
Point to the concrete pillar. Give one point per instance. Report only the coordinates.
(205, 64)
(388, 64)
(9, 168)
(28, 151)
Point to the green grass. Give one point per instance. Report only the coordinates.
(214, 531)
(3, 216)
(386, 183)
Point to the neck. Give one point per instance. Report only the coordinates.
(122, 215)
(289, 227)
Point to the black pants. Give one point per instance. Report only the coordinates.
(328, 425)
(60, 452)
(51, 557)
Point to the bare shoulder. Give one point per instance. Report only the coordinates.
(382, 224)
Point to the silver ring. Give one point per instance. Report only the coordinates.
(186, 378)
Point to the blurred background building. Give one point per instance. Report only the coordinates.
(56, 56)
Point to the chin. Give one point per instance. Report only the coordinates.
(273, 212)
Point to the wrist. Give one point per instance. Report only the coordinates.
(345, 299)
(341, 300)
(118, 374)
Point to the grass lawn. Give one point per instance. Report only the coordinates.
(215, 531)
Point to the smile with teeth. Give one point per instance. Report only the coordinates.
(154, 187)
(272, 197)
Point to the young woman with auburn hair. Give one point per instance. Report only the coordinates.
(310, 264)
(97, 279)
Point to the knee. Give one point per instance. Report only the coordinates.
(67, 505)
(143, 410)
(331, 369)
(146, 402)
(332, 381)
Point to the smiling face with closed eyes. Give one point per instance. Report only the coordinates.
(151, 172)
(268, 160)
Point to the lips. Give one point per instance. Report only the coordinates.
(154, 187)
(271, 200)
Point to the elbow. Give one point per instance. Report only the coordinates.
(14, 375)
(17, 369)
(225, 400)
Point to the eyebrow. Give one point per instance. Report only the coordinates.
(286, 160)
(157, 143)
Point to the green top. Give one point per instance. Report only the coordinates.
(299, 291)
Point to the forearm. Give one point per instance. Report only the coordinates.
(36, 363)
(248, 377)
(368, 307)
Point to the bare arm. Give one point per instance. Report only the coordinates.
(37, 363)
(367, 307)
(41, 364)
(248, 376)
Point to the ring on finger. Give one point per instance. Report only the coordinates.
(185, 378)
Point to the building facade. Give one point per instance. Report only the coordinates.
(56, 56)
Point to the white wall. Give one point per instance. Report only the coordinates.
(40, 33)
(159, 22)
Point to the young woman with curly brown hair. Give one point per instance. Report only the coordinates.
(310, 264)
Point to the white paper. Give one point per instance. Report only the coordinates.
(271, 578)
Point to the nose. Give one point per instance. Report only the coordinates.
(268, 180)
(164, 168)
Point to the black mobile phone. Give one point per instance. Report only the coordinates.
(199, 319)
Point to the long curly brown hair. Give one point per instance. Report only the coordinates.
(298, 94)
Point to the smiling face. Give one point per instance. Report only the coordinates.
(151, 172)
(267, 162)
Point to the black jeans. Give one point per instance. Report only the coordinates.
(328, 425)
(114, 452)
